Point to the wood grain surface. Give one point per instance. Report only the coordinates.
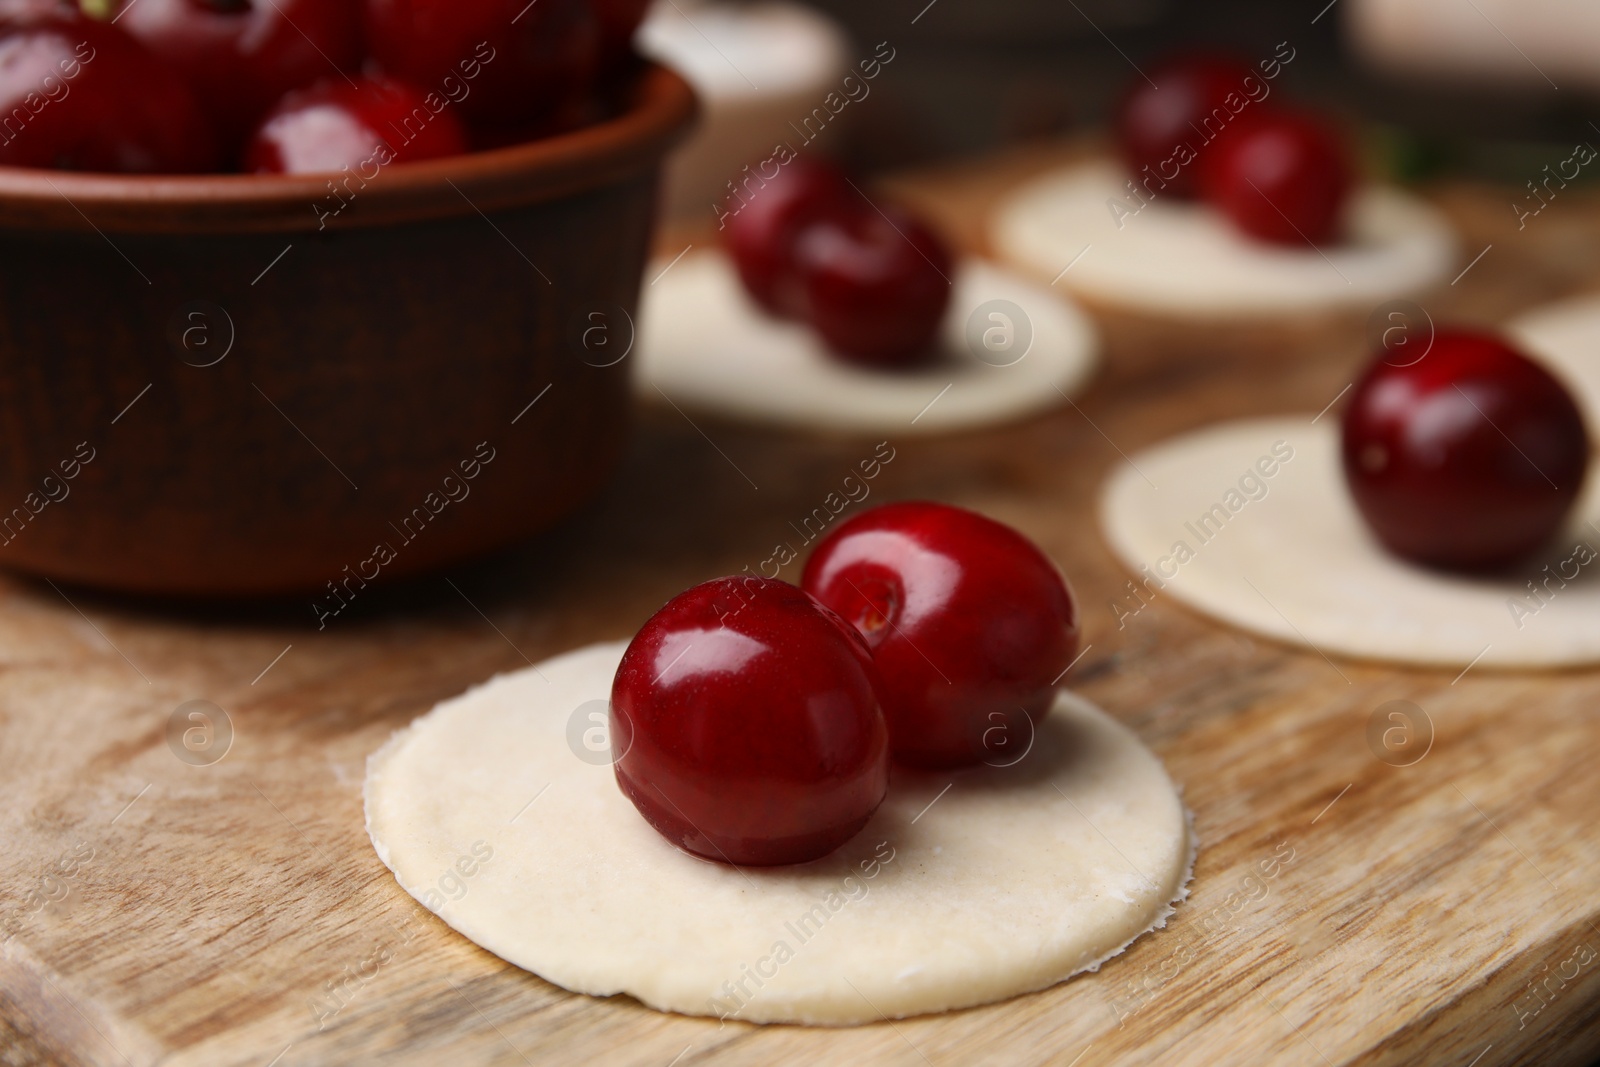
(162, 911)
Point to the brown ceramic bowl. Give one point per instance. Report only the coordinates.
(252, 385)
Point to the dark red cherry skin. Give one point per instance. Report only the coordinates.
(1180, 109)
(970, 624)
(334, 124)
(509, 62)
(241, 56)
(1280, 176)
(79, 95)
(748, 720)
(762, 218)
(876, 285)
(1468, 459)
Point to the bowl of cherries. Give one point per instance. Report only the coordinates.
(287, 281)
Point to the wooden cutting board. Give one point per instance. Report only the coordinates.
(233, 912)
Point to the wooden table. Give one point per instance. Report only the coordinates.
(234, 913)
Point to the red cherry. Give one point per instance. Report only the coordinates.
(1280, 176)
(876, 285)
(505, 62)
(748, 719)
(79, 95)
(1469, 458)
(370, 124)
(1165, 125)
(765, 216)
(241, 56)
(970, 626)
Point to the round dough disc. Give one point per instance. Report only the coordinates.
(1298, 565)
(966, 887)
(1566, 337)
(1185, 258)
(704, 343)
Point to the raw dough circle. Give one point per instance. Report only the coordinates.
(965, 888)
(1566, 337)
(720, 47)
(703, 342)
(1298, 565)
(1185, 258)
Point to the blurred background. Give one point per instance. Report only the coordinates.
(1482, 87)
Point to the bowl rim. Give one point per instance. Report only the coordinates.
(658, 108)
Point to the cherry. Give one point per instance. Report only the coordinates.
(764, 216)
(876, 285)
(241, 56)
(1467, 459)
(970, 625)
(79, 95)
(513, 61)
(748, 720)
(1280, 176)
(1165, 122)
(366, 125)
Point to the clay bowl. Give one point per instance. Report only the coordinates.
(234, 385)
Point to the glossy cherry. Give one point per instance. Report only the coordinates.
(1281, 176)
(970, 625)
(79, 95)
(364, 126)
(1469, 458)
(240, 56)
(762, 218)
(1164, 122)
(876, 284)
(748, 720)
(506, 62)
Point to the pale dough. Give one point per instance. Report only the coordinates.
(1185, 258)
(1011, 880)
(1299, 565)
(1558, 41)
(756, 68)
(1565, 336)
(704, 344)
